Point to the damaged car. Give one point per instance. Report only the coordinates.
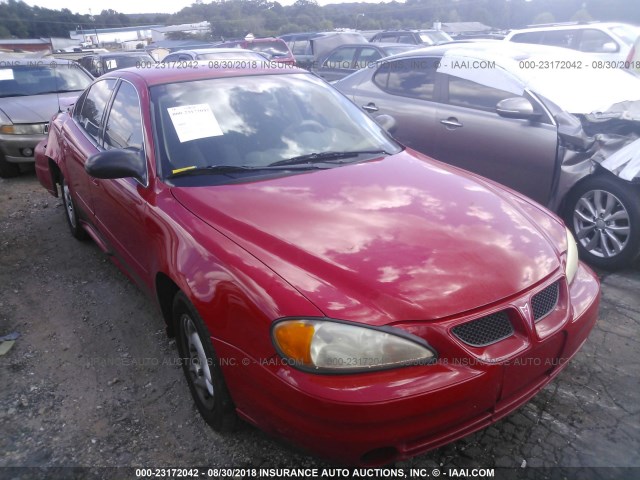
(545, 121)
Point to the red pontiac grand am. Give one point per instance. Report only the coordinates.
(324, 283)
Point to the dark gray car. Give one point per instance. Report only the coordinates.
(101, 63)
(566, 137)
(346, 59)
(32, 90)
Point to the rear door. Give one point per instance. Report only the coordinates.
(405, 89)
(81, 140)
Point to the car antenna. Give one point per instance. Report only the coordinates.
(55, 80)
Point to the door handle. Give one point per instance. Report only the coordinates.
(451, 122)
(370, 107)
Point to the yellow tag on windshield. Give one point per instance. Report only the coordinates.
(178, 170)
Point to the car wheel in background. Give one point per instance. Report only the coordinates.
(201, 366)
(7, 169)
(604, 215)
(71, 212)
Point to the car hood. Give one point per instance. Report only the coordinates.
(394, 239)
(36, 108)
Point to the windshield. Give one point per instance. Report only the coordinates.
(258, 120)
(23, 80)
(398, 49)
(273, 49)
(435, 37)
(628, 33)
(577, 92)
(570, 79)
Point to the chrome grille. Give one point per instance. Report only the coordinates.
(545, 301)
(485, 330)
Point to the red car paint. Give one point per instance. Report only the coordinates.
(401, 241)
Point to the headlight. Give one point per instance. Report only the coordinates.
(337, 347)
(23, 129)
(571, 267)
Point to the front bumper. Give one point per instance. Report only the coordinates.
(13, 147)
(378, 417)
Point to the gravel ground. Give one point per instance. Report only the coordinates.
(94, 381)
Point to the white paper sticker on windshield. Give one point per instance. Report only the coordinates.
(194, 121)
(6, 74)
(111, 64)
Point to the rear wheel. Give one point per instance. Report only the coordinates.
(70, 210)
(7, 169)
(604, 215)
(201, 366)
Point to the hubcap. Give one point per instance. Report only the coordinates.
(68, 205)
(601, 223)
(198, 362)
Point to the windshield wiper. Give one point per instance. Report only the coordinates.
(55, 91)
(222, 169)
(326, 157)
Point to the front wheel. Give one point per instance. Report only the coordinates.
(201, 366)
(604, 215)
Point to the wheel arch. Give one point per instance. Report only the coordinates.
(165, 290)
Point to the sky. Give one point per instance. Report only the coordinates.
(140, 6)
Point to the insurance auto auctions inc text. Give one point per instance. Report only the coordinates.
(373, 472)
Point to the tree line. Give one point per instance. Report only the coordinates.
(233, 18)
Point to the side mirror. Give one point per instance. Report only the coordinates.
(516, 107)
(118, 163)
(387, 122)
(609, 47)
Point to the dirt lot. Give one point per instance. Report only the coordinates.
(94, 381)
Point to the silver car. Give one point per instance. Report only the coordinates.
(32, 90)
(545, 121)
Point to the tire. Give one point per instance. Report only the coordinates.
(7, 169)
(201, 367)
(70, 211)
(604, 215)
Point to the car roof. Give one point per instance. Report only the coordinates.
(412, 30)
(119, 54)
(256, 40)
(200, 71)
(489, 48)
(214, 50)
(568, 26)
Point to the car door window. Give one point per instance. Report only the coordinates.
(410, 77)
(387, 37)
(90, 116)
(594, 41)
(342, 58)
(465, 93)
(405, 38)
(560, 38)
(528, 37)
(124, 123)
(299, 47)
(367, 57)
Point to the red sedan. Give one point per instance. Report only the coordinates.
(324, 283)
